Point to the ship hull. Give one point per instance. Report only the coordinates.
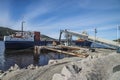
(83, 43)
(17, 45)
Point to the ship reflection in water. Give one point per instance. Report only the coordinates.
(23, 59)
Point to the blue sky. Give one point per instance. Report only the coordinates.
(49, 16)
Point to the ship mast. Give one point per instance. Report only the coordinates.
(22, 26)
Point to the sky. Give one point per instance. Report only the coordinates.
(51, 16)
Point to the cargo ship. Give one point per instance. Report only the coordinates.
(22, 40)
(82, 42)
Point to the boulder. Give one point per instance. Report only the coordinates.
(70, 70)
(52, 62)
(59, 77)
(15, 67)
(31, 66)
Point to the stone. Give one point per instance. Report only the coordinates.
(52, 62)
(16, 67)
(70, 70)
(1, 75)
(66, 72)
(59, 77)
(1, 71)
(13, 68)
(115, 76)
(36, 67)
(31, 66)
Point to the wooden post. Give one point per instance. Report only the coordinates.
(36, 52)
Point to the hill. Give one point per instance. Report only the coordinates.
(47, 38)
(7, 31)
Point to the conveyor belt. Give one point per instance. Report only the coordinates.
(109, 43)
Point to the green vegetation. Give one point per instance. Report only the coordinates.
(7, 31)
(47, 38)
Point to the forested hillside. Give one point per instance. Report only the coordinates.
(7, 31)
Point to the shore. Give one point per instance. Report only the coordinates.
(103, 64)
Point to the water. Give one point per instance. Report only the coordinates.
(25, 58)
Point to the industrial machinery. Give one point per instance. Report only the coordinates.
(93, 39)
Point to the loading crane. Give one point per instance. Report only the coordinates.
(69, 34)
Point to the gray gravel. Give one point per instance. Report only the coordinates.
(101, 65)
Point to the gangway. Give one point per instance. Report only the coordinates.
(109, 43)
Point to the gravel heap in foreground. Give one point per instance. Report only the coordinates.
(106, 67)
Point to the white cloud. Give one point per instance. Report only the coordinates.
(51, 26)
(78, 24)
(78, 21)
(33, 11)
(5, 18)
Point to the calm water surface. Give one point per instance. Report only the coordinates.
(25, 58)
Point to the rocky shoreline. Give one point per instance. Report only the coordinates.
(100, 65)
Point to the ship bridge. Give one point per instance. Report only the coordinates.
(108, 43)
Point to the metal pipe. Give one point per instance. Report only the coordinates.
(95, 36)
